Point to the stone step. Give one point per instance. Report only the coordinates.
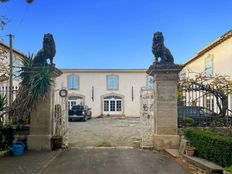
(206, 165)
(173, 152)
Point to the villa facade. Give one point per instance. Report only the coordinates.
(105, 91)
(5, 61)
(214, 59)
(117, 91)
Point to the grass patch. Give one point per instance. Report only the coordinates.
(136, 142)
(104, 143)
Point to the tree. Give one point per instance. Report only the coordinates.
(218, 86)
(4, 67)
(2, 107)
(4, 20)
(28, 1)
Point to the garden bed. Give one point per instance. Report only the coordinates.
(211, 146)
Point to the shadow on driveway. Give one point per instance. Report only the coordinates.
(113, 161)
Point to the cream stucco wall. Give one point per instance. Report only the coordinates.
(5, 60)
(222, 60)
(98, 80)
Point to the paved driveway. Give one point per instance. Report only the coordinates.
(113, 161)
(107, 131)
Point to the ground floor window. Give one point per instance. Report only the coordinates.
(106, 105)
(210, 103)
(112, 105)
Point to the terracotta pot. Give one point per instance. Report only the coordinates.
(56, 142)
(190, 151)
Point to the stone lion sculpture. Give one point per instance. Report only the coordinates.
(47, 52)
(161, 53)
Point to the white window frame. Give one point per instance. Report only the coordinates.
(108, 103)
(116, 87)
(209, 66)
(16, 68)
(73, 86)
(150, 84)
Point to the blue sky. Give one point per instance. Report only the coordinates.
(115, 33)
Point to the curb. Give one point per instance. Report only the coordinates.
(94, 147)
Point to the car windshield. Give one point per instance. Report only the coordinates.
(78, 107)
(207, 111)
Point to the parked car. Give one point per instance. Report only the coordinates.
(200, 115)
(80, 112)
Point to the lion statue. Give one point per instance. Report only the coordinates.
(47, 52)
(161, 53)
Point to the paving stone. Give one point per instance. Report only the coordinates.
(105, 131)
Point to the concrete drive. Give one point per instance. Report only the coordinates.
(113, 161)
(107, 131)
(30, 162)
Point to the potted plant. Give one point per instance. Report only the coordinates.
(56, 142)
(24, 120)
(190, 149)
(188, 121)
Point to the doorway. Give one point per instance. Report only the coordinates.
(112, 105)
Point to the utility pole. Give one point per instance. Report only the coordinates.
(11, 70)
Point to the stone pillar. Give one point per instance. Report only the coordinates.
(41, 119)
(165, 105)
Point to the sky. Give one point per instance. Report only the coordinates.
(117, 34)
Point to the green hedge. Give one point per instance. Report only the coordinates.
(211, 146)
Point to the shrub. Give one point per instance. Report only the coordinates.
(229, 169)
(188, 120)
(211, 146)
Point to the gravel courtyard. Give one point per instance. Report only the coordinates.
(106, 131)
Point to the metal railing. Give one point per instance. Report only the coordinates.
(201, 106)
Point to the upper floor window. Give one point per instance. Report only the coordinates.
(112, 82)
(209, 66)
(73, 82)
(16, 68)
(149, 82)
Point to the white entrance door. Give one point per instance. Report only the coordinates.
(112, 105)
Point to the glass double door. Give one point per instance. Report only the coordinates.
(112, 106)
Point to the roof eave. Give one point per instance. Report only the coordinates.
(212, 45)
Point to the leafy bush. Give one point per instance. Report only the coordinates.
(211, 146)
(188, 120)
(6, 138)
(36, 82)
(229, 169)
(2, 105)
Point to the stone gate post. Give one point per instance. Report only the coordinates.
(165, 105)
(41, 121)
